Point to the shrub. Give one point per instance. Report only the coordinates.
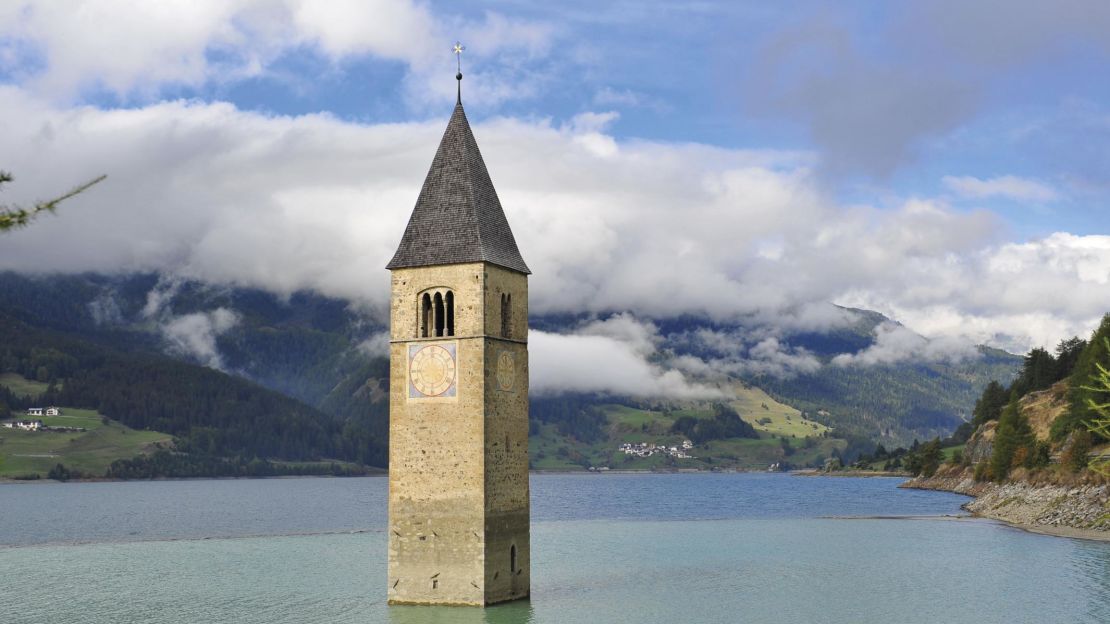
(1077, 453)
(982, 471)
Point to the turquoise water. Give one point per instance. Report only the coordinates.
(613, 548)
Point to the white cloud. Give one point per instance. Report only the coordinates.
(751, 350)
(894, 343)
(608, 96)
(400, 30)
(195, 334)
(133, 48)
(376, 345)
(1010, 187)
(210, 192)
(590, 361)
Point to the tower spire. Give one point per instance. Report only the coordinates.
(458, 50)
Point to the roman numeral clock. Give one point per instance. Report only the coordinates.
(432, 370)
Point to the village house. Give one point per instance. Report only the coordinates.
(34, 411)
(26, 425)
(53, 411)
(647, 449)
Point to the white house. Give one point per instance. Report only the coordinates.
(34, 411)
(53, 411)
(26, 425)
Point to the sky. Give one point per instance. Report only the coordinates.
(944, 163)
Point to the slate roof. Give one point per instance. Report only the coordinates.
(458, 217)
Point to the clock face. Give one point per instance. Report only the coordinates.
(431, 370)
(506, 371)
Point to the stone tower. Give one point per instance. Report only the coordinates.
(458, 396)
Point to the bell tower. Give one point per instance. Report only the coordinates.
(458, 397)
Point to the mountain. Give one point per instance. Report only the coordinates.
(207, 411)
(329, 356)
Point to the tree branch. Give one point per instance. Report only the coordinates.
(12, 217)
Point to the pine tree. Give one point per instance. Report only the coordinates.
(1067, 355)
(989, 406)
(1083, 395)
(931, 456)
(1038, 372)
(1098, 401)
(1013, 441)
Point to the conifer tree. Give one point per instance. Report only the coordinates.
(1013, 441)
(1083, 383)
(989, 406)
(1098, 401)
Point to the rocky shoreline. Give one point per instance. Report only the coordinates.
(1079, 511)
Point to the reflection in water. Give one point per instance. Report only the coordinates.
(516, 612)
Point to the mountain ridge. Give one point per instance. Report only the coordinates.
(321, 351)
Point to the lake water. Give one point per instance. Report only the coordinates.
(730, 548)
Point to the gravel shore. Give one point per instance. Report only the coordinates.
(1067, 511)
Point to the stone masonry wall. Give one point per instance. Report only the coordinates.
(458, 495)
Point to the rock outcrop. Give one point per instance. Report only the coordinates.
(1034, 506)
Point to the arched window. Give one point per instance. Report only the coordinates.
(437, 314)
(507, 316)
(425, 315)
(450, 313)
(437, 301)
(512, 559)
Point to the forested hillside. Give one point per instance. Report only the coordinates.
(1044, 425)
(209, 412)
(328, 355)
(904, 401)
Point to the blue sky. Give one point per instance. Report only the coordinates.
(942, 162)
(1014, 90)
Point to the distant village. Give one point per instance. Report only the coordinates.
(647, 449)
(33, 424)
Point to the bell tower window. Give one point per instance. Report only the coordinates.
(437, 314)
(450, 298)
(425, 315)
(437, 301)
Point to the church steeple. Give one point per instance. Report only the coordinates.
(459, 512)
(458, 217)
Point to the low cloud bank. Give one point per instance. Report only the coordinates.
(661, 230)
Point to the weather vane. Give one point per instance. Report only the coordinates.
(458, 50)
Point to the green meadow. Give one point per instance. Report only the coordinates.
(27, 453)
(785, 435)
(21, 386)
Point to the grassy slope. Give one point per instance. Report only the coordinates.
(21, 386)
(91, 451)
(551, 451)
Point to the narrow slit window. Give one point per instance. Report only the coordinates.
(512, 559)
(507, 316)
(437, 301)
(450, 313)
(425, 315)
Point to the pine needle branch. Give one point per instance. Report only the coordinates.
(12, 217)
